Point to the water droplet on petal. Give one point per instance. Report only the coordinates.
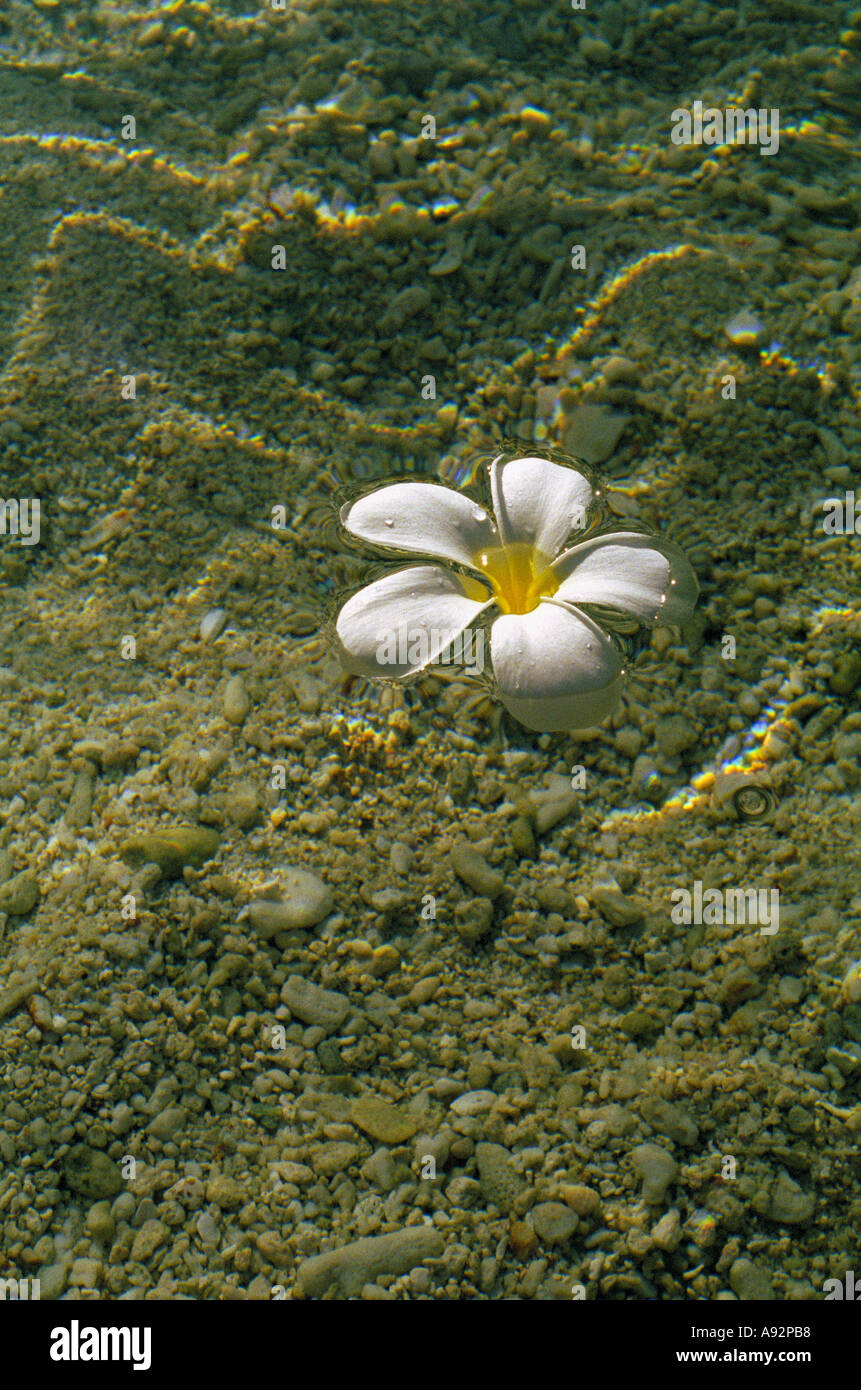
(479, 514)
(390, 521)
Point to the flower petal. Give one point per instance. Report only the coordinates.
(554, 667)
(407, 620)
(644, 575)
(425, 517)
(538, 502)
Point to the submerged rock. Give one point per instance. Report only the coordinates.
(382, 1121)
(212, 624)
(364, 1261)
(554, 1222)
(305, 900)
(473, 869)
(593, 432)
(20, 895)
(745, 330)
(790, 1204)
(500, 1183)
(172, 849)
(237, 701)
(657, 1168)
(314, 1005)
(615, 907)
(91, 1173)
(749, 1282)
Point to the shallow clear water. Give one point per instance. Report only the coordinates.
(521, 1024)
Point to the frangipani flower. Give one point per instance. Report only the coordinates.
(555, 667)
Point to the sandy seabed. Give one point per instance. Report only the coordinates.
(474, 1056)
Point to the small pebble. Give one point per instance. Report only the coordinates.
(207, 1228)
(225, 1192)
(80, 802)
(424, 990)
(305, 901)
(657, 1168)
(522, 1239)
(476, 873)
(500, 1183)
(616, 908)
(312, 1004)
(554, 1222)
(851, 987)
(749, 1282)
(536, 121)
(212, 624)
(350, 1267)
(835, 450)
(667, 1233)
(789, 1203)
(593, 431)
(91, 1173)
(846, 675)
(237, 701)
(20, 894)
(171, 849)
(386, 1123)
(745, 330)
(621, 371)
(168, 1123)
(402, 859)
(474, 1103)
(149, 1238)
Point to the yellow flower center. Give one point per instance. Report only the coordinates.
(520, 576)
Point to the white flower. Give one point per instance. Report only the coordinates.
(554, 666)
